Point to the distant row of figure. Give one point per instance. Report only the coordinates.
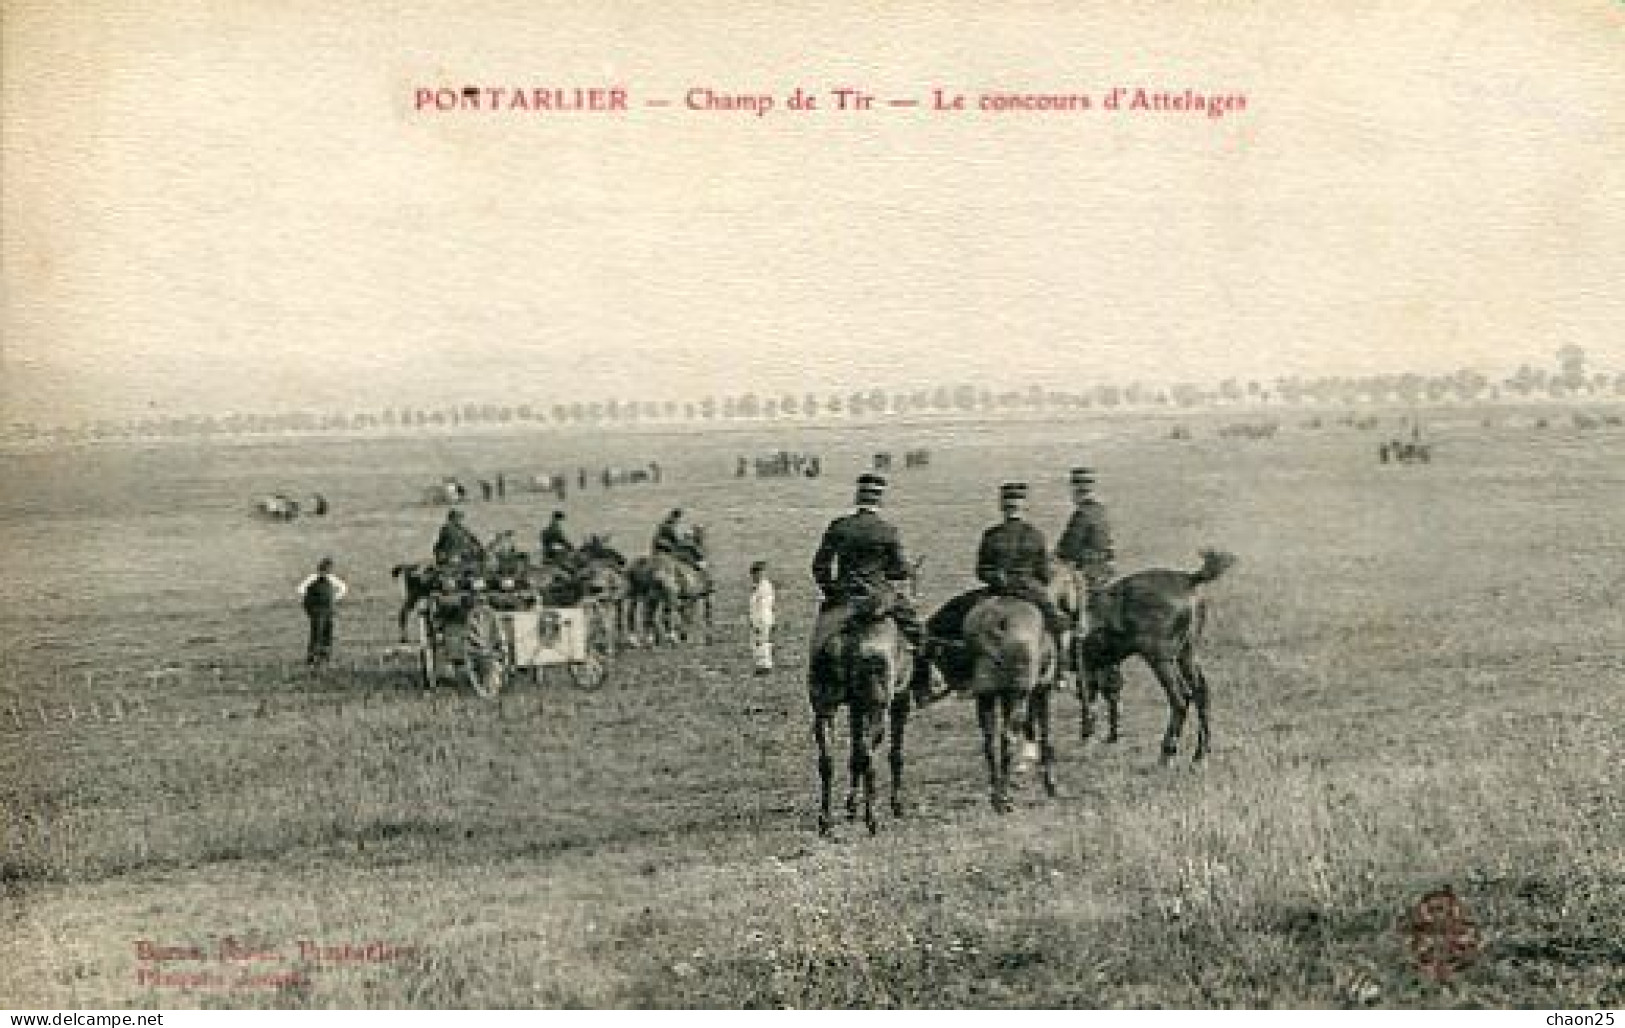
(912, 459)
(1402, 452)
(1263, 430)
(782, 464)
(452, 490)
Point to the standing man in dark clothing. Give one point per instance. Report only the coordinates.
(859, 554)
(320, 594)
(556, 546)
(1086, 543)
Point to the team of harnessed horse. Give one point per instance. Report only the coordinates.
(1014, 644)
(662, 597)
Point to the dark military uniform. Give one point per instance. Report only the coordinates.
(556, 545)
(861, 553)
(1013, 556)
(668, 538)
(456, 545)
(1086, 543)
(1013, 560)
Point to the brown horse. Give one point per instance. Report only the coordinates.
(1157, 614)
(863, 665)
(603, 581)
(1013, 666)
(668, 591)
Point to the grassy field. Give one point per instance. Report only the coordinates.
(1419, 679)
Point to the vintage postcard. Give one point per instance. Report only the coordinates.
(908, 505)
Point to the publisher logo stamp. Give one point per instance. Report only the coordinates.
(1440, 934)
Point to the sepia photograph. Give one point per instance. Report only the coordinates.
(536, 504)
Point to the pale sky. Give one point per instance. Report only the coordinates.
(217, 204)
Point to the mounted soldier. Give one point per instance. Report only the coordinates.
(1086, 543)
(669, 534)
(456, 544)
(1012, 560)
(861, 555)
(555, 544)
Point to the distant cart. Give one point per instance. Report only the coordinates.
(488, 638)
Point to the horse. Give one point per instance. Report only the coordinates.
(603, 580)
(666, 590)
(665, 593)
(1012, 670)
(864, 664)
(1157, 614)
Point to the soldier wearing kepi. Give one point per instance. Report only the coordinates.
(456, 544)
(1086, 543)
(1012, 560)
(556, 545)
(861, 553)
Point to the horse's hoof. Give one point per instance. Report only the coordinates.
(873, 824)
(899, 809)
(1111, 737)
(825, 829)
(1051, 790)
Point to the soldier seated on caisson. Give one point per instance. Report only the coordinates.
(861, 554)
(669, 534)
(556, 545)
(456, 544)
(1012, 560)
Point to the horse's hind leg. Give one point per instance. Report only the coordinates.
(1173, 685)
(875, 722)
(860, 767)
(1009, 740)
(1113, 691)
(1038, 726)
(899, 723)
(1197, 683)
(1088, 688)
(987, 715)
(826, 769)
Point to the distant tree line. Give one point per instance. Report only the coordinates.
(1570, 378)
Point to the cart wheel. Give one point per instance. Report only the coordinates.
(486, 665)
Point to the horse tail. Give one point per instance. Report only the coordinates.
(1214, 564)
